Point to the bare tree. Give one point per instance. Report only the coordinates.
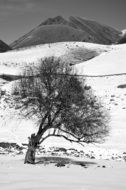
(62, 105)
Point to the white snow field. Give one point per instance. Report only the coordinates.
(14, 175)
(112, 62)
(12, 62)
(106, 66)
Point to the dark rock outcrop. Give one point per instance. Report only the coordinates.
(4, 47)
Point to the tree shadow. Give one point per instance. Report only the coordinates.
(62, 161)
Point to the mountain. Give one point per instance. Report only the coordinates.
(59, 29)
(4, 47)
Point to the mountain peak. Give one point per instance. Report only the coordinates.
(56, 20)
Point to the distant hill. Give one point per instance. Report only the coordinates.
(4, 47)
(59, 29)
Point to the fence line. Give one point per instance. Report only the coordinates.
(9, 77)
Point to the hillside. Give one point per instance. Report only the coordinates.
(102, 34)
(71, 52)
(4, 47)
(110, 63)
(50, 34)
(59, 29)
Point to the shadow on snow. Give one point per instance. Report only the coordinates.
(62, 161)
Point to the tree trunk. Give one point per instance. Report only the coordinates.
(30, 155)
(32, 146)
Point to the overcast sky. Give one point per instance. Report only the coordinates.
(18, 17)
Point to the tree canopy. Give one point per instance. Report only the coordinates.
(60, 100)
(62, 103)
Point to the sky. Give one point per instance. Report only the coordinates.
(17, 17)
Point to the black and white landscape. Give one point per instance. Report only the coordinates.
(97, 53)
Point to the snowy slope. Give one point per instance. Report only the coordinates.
(14, 61)
(112, 62)
(107, 60)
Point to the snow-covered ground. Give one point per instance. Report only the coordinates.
(14, 61)
(112, 62)
(102, 175)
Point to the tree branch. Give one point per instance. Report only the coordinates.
(63, 136)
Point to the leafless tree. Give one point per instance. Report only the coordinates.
(62, 104)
